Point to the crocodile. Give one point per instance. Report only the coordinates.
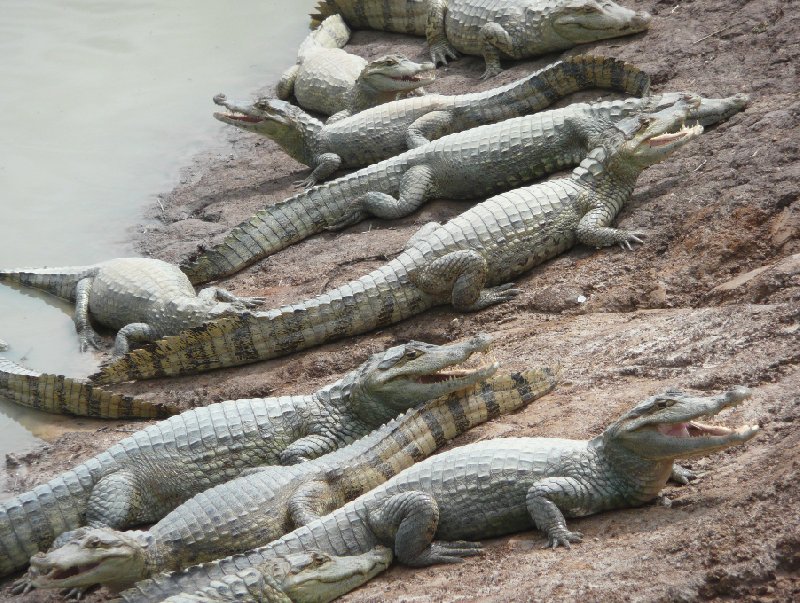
(481, 161)
(503, 485)
(468, 262)
(3, 346)
(328, 80)
(514, 29)
(261, 506)
(143, 298)
(145, 476)
(391, 128)
(58, 394)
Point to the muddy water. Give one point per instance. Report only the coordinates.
(101, 104)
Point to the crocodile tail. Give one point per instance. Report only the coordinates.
(325, 9)
(375, 300)
(62, 395)
(57, 281)
(31, 521)
(569, 75)
(331, 33)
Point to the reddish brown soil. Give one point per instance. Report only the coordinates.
(712, 299)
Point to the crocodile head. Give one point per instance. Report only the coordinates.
(396, 73)
(665, 427)
(580, 21)
(406, 375)
(708, 111)
(289, 126)
(316, 577)
(90, 556)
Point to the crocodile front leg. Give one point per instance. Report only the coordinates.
(116, 502)
(463, 275)
(324, 165)
(416, 187)
(285, 87)
(86, 335)
(593, 230)
(410, 520)
(494, 40)
(440, 48)
(543, 501)
(310, 447)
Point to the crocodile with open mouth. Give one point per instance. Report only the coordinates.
(145, 476)
(514, 29)
(394, 127)
(468, 262)
(266, 503)
(328, 80)
(488, 489)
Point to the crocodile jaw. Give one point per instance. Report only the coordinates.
(590, 20)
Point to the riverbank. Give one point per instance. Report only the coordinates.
(711, 300)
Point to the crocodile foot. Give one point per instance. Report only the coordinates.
(491, 71)
(562, 538)
(441, 51)
(629, 237)
(305, 183)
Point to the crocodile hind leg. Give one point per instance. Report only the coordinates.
(223, 295)
(410, 520)
(115, 502)
(462, 274)
(429, 127)
(440, 48)
(311, 501)
(135, 331)
(86, 335)
(416, 187)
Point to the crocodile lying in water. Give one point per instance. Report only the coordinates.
(501, 485)
(514, 29)
(391, 128)
(259, 507)
(466, 165)
(328, 80)
(468, 262)
(142, 297)
(145, 476)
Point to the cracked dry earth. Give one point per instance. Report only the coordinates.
(711, 300)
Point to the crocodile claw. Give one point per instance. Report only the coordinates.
(631, 237)
(251, 302)
(22, 586)
(88, 338)
(305, 183)
(441, 51)
(563, 538)
(682, 475)
(490, 72)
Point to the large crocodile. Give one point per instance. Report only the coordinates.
(467, 262)
(143, 298)
(254, 509)
(515, 29)
(328, 80)
(501, 486)
(64, 395)
(391, 128)
(479, 162)
(145, 476)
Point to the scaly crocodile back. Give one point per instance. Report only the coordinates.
(56, 281)
(62, 395)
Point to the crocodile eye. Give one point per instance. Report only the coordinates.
(411, 354)
(92, 542)
(261, 103)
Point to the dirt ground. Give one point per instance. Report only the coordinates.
(711, 300)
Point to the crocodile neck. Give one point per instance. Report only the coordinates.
(637, 480)
(298, 138)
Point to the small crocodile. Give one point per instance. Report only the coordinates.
(394, 127)
(514, 29)
(58, 394)
(265, 504)
(467, 262)
(328, 80)
(479, 162)
(142, 297)
(145, 476)
(502, 486)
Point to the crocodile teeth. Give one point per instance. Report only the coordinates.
(664, 139)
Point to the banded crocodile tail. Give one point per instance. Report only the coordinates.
(325, 9)
(30, 522)
(62, 395)
(57, 281)
(288, 222)
(374, 300)
(569, 75)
